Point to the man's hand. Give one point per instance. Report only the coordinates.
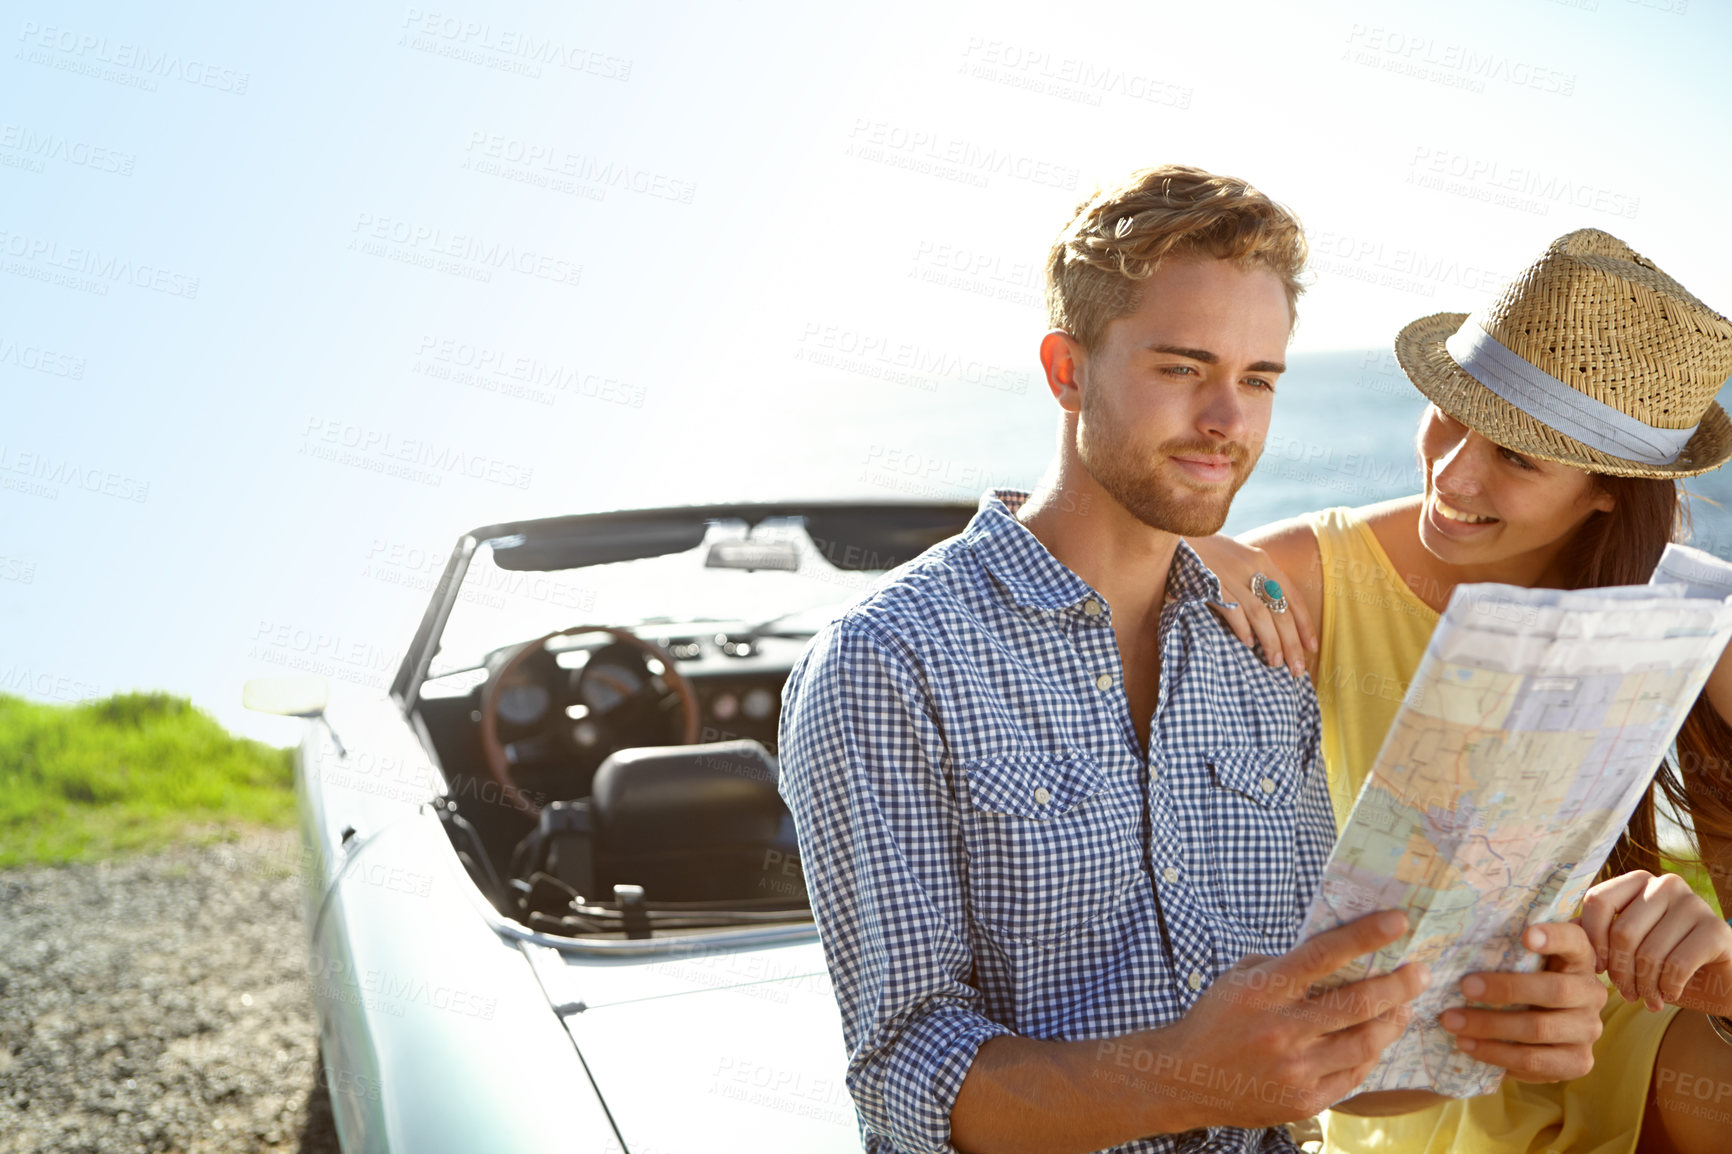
(1257, 1049)
(1270, 1050)
(1548, 1035)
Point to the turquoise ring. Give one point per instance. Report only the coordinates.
(1269, 593)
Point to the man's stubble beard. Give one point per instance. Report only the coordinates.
(1133, 476)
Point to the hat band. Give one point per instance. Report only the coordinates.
(1567, 410)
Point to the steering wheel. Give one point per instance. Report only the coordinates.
(493, 750)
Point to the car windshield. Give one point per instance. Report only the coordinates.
(498, 606)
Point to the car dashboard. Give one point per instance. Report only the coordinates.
(569, 705)
(738, 679)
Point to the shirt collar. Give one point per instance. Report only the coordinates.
(1036, 579)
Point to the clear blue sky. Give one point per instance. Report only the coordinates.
(618, 255)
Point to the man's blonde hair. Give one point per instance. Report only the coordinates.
(1120, 236)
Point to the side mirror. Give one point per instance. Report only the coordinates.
(296, 695)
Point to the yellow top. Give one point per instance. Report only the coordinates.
(1373, 633)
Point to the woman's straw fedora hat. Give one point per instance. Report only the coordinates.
(1592, 357)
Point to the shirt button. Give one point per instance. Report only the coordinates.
(1043, 795)
(1104, 681)
(1169, 875)
(1267, 785)
(1091, 608)
(1196, 979)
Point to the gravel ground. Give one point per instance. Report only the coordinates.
(160, 1003)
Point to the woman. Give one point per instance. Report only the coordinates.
(1560, 420)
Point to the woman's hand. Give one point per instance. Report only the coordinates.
(1660, 942)
(1284, 636)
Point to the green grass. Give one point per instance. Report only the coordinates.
(131, 772)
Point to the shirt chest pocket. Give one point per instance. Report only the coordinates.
(1051, 843)
(1252, 800)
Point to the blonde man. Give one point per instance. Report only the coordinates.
(1058, 825)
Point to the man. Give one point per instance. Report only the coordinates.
(1053, 816)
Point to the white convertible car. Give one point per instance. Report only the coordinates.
(553, 899)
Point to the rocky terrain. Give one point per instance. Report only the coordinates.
(160, 1003)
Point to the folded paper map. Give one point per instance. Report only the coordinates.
(1531, 730)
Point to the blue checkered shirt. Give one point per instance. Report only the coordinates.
(989, 851)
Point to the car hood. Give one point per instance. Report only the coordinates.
(722, 1050)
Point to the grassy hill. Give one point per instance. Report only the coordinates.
(133, 771)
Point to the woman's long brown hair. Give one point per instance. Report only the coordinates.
(1622, 547)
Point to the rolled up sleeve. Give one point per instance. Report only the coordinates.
(863, 772)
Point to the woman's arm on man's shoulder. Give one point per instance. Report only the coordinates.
(1293, 547)
(1286, 638)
